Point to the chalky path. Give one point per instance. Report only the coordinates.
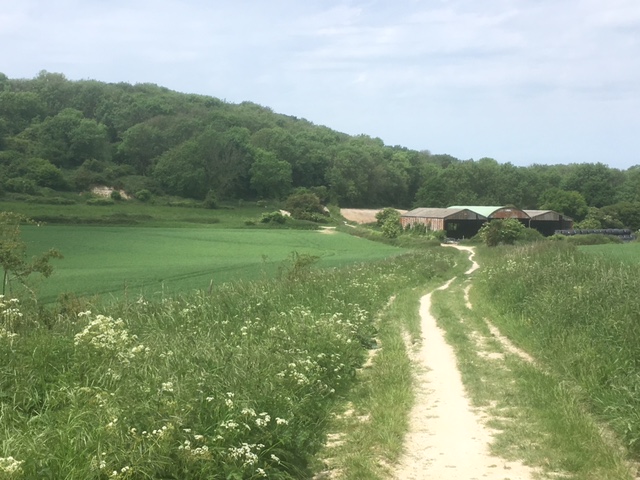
(447, 439)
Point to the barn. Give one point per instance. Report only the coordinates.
(464, 221)
(457, 222)
(548, 221)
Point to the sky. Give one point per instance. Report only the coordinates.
(520, 81)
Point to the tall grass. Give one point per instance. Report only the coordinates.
(579, 314)
(232, 384)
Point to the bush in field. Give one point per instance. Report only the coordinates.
(143, 195)
(498, 232)
(388, 220)
(21, 185)
(116, 195)
(210, 200)
(530, 235)
(275, 217)
(387, 214)
(305, 205)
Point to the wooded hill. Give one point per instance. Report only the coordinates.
(57, 134)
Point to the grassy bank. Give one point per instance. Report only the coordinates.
(578, 314)
(233, 384)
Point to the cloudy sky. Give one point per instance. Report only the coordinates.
(522, 81)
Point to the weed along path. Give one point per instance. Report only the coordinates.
(447, 439)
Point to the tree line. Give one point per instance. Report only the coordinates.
(68, 135)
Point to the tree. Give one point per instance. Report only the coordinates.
(595, 181)
(570, 203)
(13, 253)
(498, 232)
(270, 177)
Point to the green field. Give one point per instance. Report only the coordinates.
(115, 260)
(627, 252)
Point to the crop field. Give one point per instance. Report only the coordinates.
(134, 213)
(626, 252)
(134, 260)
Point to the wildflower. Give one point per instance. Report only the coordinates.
(281, 421)
(229, 425)
(261, 472)
(167, 387)
(10, 465)
(275, 458)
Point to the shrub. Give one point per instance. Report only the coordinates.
(143, 195)
(387, 214)
(505, 231)
(304, 205)
(275, 217)
(21, 185)
(210, 200)
(116, 195)
(530, 235)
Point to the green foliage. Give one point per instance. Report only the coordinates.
(270, 177)
(13, 253)
(210, 200)
(598, 218)
(304, 205)
(530, 235)
(143, 195)
(116, 195)
(186, 145)
(21, 185)
(387, 214)
(570, 203)
(275, 217)
(498, 232)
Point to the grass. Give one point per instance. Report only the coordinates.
(576, 313)
(539, 419)
(375, 417)
(134, 260)
(626, 252)
(129, 213)
(238, 383)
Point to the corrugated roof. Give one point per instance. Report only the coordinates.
(432, 212)
(484, 211)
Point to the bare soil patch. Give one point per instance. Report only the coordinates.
(362, 215)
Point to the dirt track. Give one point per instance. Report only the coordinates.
(447, 440)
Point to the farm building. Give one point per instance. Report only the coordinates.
(465, 221)
(548, 221)
(457, 222)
